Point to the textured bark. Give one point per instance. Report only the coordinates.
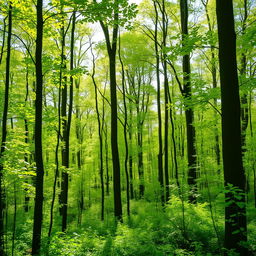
(235, 216)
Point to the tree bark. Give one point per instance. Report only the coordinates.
(235, 209)
(125, 126)
(4, 128)
(160, 142)
(189, 113)
(111, 48)
(100, 131)
(38, 210)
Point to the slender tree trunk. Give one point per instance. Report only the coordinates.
(100, 130)
(140, 151)
(125, 126)
(106, 157)
(114, 138)
(38, 210)
(26, 200)
(78, 125)
(235, 210)
(130, 147)
(4, 128)
(3, 41)
(65, 147)
(56, 168)
(244, 96)
(66, 122)
(160, 142)
(189, 113)
(112, 47)
(14, 219)
(166, 101)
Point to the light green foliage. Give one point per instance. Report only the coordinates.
(104, 11)
(150, 231)
(178, 228)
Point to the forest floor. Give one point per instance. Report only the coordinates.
(178, 229)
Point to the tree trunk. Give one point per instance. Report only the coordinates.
(26, 199)
(166, 101)
(140, 151)
(4, 129)
(125, 133)
(111, 47)
(66, 121)
(106, 157)
(100, 130)
(189, 113)
(160, 142)
(38, 210)
(114, 137)
(235, 210)
(14, 219)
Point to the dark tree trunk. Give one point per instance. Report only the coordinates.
(140, 150)
(244, 96)
(14, 219)
(65, 139)
(3, 40)
(111, 48)
(166, 101)
(189, 113)
(130, 130)
(78, 125)
(106, 157)
(235, 210)
(56, 174)
(100, 131)
(114, 136)
(26, 201)
(125, 125)
(66, 121)
(38, 210)
(4, 129)
(160, 142)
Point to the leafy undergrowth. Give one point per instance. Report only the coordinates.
(149, 231)
(179, 229)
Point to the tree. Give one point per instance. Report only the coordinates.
(4, 127)
(189, 113)
(113, 14)
(234, 176)
(111, 48)
(38, 210)
(159, 115)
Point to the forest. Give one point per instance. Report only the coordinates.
(128, 127)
